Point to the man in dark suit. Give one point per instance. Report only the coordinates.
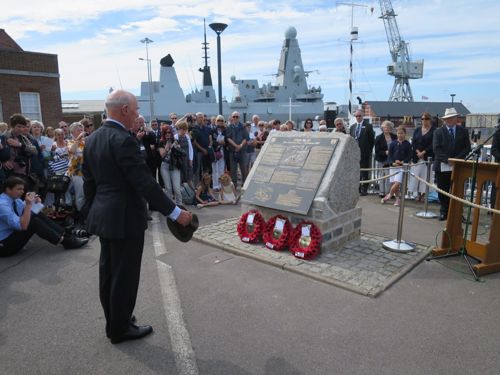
(450, 141)
(117, 183)
(363, 132)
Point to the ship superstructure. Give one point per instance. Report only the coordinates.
(270, 100)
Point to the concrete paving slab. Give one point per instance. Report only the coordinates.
(362, 266)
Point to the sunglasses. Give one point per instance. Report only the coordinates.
(236, 116)
(425, 118)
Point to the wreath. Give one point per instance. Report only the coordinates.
(306, 241)
(276, 236)
(251, 226)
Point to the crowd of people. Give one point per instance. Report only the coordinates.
(204, 161)
(113, 172)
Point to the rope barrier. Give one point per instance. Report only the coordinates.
(451, 196)
(386, 168)
(379, 178)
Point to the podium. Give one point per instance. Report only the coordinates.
(487, 253)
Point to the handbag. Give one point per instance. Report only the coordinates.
(57, 183)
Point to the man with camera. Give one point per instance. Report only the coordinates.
(18, 223)
(20, 146)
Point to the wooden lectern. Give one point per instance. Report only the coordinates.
(452, 241)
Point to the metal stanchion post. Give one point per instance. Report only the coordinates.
(426, 214)
(398, 245)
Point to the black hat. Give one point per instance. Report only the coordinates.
(181, 232)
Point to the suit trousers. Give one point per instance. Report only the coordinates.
(443, 180)
(234, 167)
(364, 175)
(40, 225)
(119, 274)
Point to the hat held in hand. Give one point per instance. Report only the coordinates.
(181, 232)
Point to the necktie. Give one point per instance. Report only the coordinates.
(14, 206)
(452, 134)
(358, 131)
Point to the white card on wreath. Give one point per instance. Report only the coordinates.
(306, 231)
(250, 218)
(279, 225)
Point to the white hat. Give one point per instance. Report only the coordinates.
(450, 112)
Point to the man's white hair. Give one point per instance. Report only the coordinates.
(118, 98)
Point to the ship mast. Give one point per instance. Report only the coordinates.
(354, 37)
(207, 77)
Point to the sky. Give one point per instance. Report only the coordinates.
(98, 44)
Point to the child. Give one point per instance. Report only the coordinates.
(228, 191)
(204, 193)
(399, 154)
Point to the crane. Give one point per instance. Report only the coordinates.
(402, 67)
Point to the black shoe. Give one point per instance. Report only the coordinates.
(363, 193)
(72, 242)
(443, 217)
(132, 333)
(82, 233)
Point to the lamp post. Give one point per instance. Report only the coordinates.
(219, 28)
(146, 41)
(452, 99)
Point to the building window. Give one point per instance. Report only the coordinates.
(30, 105)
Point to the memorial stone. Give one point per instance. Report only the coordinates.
(308, 176)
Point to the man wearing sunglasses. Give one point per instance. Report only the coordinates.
(237, 138)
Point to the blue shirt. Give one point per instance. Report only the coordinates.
(9, 220)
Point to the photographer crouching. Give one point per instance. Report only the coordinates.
(18, 223)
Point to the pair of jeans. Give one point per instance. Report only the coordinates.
(172, 181)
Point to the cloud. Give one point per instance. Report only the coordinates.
(100, 41)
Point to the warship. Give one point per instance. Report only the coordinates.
(288, 97)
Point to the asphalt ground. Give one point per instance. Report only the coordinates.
(234, 315)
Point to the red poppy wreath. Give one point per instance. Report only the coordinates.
(251, 226)
(278, 232)
(306, 241)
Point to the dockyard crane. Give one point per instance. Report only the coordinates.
(402, 68)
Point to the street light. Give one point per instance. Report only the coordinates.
(219, 28)
(150, 78)
(452, 98)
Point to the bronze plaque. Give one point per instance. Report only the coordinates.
(288, 175)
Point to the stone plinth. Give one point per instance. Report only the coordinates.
(333, 208)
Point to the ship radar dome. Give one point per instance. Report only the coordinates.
(291, 33)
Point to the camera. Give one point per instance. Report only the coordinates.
(21, 162)
(189, 118)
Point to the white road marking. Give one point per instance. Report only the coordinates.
(184, 356)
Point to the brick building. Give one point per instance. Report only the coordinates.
(29, 83)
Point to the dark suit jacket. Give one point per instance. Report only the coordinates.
(366, 139)
(381, 147)
(117, 183)
(444, 147)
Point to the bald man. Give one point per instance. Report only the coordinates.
(117, 184)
